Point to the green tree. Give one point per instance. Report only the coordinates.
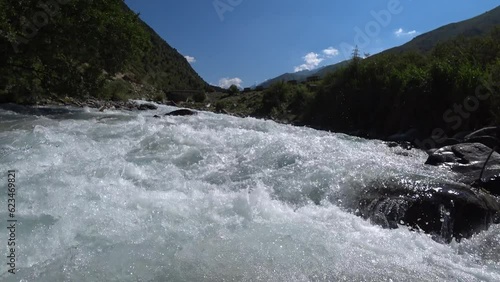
(233, 90)
(356, 55)
(275, 95)
(390, 93)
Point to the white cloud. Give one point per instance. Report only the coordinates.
(227, 82)
(330, 52)
(400, 32)
(190, 59)
(312, 60)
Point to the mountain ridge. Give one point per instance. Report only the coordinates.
(172, 65)
(476, 26)
(303, 75)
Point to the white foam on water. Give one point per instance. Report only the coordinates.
(122, 196)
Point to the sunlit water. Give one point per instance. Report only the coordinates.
(123, 196)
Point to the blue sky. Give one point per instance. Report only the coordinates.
(248, 41)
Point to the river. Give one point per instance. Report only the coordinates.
(124, 196)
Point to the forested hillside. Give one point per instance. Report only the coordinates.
(390, 93)
(76, 49)
(163, 67)
(455, 88)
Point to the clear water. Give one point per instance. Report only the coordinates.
(122, 196)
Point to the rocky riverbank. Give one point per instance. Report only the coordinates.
(447, 210)
(102, 105)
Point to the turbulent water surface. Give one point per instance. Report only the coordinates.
(123, 196)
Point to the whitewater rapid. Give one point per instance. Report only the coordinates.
(123, 196)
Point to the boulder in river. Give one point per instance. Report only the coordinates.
(146, 106)
(403, 144)
(445, 210)
(469, 159)
(181, 112)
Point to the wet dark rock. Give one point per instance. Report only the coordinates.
(146, 106)
(468, 160)
(181, 112)
(445, 210)
(403, 144)
(392, 144)
(437, 158)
